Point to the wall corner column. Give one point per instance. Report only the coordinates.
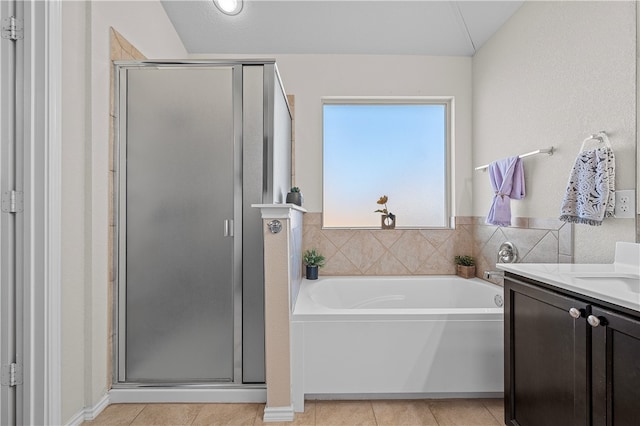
(282, 228)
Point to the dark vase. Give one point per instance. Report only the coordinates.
(389, 221)
(294, 198)
(312, 272)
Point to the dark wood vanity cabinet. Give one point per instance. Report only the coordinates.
(615, 368)
(569, 360)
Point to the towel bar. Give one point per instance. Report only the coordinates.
(528, 154)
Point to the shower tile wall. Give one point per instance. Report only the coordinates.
(120, 49)
(431, 251)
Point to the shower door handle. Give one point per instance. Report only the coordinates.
(228, 227)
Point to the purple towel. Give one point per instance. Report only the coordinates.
(507, 180)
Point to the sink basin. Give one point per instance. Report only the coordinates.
(601, 275)
(613, 281)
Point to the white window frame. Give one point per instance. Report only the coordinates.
(447, 101)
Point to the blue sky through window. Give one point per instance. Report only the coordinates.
(398, 150)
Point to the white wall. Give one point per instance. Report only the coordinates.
(85, 127)
(75, 124)
(310, 77)
(553, 74)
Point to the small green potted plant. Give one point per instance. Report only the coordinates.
(294, 196)
(313, 260)
(466, 266)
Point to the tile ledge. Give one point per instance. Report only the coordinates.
(278, 211)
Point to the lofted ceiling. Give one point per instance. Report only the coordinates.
(392, 27)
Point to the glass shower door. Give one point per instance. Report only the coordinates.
(178, 263)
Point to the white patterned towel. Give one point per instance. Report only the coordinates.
(590, 195)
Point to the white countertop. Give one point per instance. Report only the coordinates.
(617, 283)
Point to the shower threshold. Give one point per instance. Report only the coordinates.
(187, 393)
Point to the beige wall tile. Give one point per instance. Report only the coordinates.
(313, 219)
(315, 238)
(430, 251)
(114, 45)
(116, 52)
(363, 250)
(338, 264)
(546, 240)
(565, 239)
(524, 239)
(563, 258)
(437, 237)
(137, 55)
(437, 264)
(463, 240)
(387, 265)
(546, 251)
(520, 222)
(388, 237)
(413, 250)
(490, 248)
(454, 246)
(126, 56)
(464, 220)
(483, 233)
(338, 236)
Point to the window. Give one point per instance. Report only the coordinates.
(398, 148)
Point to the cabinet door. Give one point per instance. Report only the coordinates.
(616, 369)
(546, 359)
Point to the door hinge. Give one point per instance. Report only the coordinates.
(11, 375)
(12, 201)
(12, 28)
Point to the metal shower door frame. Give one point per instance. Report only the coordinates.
(120, 231)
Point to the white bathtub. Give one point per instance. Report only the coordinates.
(416, 336)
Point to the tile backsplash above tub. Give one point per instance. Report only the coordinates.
(388, 252)
(431, 251)
(538, 240)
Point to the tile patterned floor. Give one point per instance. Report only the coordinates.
(459, 412)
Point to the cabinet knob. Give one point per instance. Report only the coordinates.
(575, 313)
(593, 321)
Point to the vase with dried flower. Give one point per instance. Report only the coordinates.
(466, 266)
(388, 218)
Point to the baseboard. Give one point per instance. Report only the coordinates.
(399, 395)
(182, 395)
(89, 413)
(278, 414)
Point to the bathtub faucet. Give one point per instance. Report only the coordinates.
(493, 274)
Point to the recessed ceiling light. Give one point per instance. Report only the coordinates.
(229, 7)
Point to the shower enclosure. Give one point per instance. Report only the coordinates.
(197, 143)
